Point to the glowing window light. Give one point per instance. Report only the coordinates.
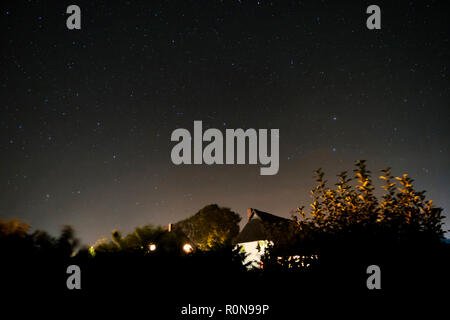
(187, 248)
(152, 247)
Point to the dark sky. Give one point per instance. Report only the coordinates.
(86, 116)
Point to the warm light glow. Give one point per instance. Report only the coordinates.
(187, 248)
(152, 247)
(92, 251)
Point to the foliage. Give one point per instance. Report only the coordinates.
(211, 226)
(402, 212)
(140, 240)
(349, 227)
(15, 238)
(13, 227)
(34, 260)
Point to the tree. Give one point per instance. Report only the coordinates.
(348, 226)
(142, 241)
(67, 243)
(9, 227)
(402, 211)
(211, 226)
(15, 237)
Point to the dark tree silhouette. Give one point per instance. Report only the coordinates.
(211, 226)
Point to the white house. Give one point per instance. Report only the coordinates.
(256, 235)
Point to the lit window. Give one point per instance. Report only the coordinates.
(187, 248)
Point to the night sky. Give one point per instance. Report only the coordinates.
(86, 115)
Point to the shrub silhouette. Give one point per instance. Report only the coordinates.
(348, 228)
(403, 212)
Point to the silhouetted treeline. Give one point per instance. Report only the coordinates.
(325, 250)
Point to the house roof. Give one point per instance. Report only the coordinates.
(257, 227)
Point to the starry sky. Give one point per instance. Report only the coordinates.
(86, 115)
